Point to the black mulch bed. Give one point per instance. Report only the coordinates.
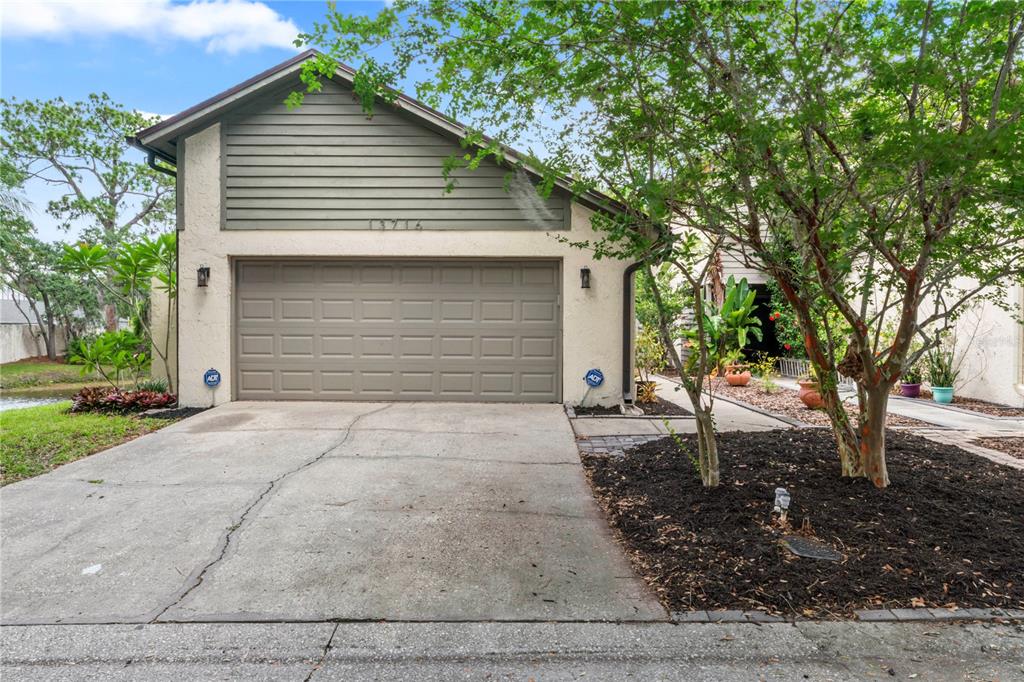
(664, 408)
(174, 412)
(949, 531)
(597, 411)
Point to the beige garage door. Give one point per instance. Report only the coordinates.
(398, 330)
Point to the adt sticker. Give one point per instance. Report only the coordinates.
(594, 378)
(211, 378)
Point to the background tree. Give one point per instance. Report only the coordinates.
(866, 155)
(80, 149)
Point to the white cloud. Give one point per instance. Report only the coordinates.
(230, 26)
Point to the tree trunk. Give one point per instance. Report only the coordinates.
(707, 444)
(872, 436)
(843, 430)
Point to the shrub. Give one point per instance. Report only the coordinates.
(103, 399)
(942, 369)
(911, 375)
(154, 384)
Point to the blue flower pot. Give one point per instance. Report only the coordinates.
(942, 394)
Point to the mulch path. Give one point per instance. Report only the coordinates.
(982, 406)
(785, 402)
(949, 531)
(1010, 445)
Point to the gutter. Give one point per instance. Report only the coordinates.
(627, 331)
(152, 155)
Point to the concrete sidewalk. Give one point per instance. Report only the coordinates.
(542, 651)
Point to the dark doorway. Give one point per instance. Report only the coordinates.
(768, 343)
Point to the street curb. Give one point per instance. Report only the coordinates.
(915, 615)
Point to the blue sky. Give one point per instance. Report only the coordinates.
(157, 56)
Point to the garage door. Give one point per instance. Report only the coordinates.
(398, 330)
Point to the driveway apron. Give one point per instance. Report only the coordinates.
(321, 511)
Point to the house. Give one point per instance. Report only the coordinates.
(321, 259)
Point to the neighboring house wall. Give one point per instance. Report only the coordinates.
(990, 349)
(18, 339)
(591, 318)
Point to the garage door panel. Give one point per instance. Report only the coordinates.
(354, 330)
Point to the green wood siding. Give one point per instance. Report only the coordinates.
(326, 165)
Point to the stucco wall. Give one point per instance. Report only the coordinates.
(17, 342)
(158, 324)
(591, 318)
(991, 352)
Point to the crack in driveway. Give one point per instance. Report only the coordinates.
(196, 578)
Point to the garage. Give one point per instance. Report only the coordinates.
(487, 330)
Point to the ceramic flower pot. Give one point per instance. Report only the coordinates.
(942, 394)
(737, 376)
(810, 395)
(910, 390)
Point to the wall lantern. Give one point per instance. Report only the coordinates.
(584, 278)
(203, 276)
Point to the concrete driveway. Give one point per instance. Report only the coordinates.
(321, 511)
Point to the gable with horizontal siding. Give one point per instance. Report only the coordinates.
(325, 165)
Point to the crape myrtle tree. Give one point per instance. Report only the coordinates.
(79, 149)
(866, 155)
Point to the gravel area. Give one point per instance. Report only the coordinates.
(982, 406)
(784, 401)
(1010, 445)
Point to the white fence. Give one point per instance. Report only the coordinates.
(798, 367)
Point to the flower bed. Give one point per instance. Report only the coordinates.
(947, 533)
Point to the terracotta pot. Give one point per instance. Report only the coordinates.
(737, 378)
(809, 395)
(910, 390)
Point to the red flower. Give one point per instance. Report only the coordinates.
(787, 346)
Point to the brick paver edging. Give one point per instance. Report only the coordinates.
(866, 615)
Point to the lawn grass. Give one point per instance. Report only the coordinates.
(28, 373)
(34, 440)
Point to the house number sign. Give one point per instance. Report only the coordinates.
(211, 378)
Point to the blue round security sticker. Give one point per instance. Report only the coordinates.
(594, 378)
(211, 378)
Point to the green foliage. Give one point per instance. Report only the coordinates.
(51, 296)
(153, 385)
(35, 440)
(132, 268)
(765, 368)
(942, 369)
(911, 375)
(649, 353)
(673, 298)
(727, 327)
(112, 355)
(80, 148)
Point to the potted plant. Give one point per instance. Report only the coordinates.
(736, 373)
(910, 382)
(810, 392)
(942, 374)
(649, 359)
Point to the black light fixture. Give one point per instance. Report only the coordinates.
(203, 274)
(584, 278)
